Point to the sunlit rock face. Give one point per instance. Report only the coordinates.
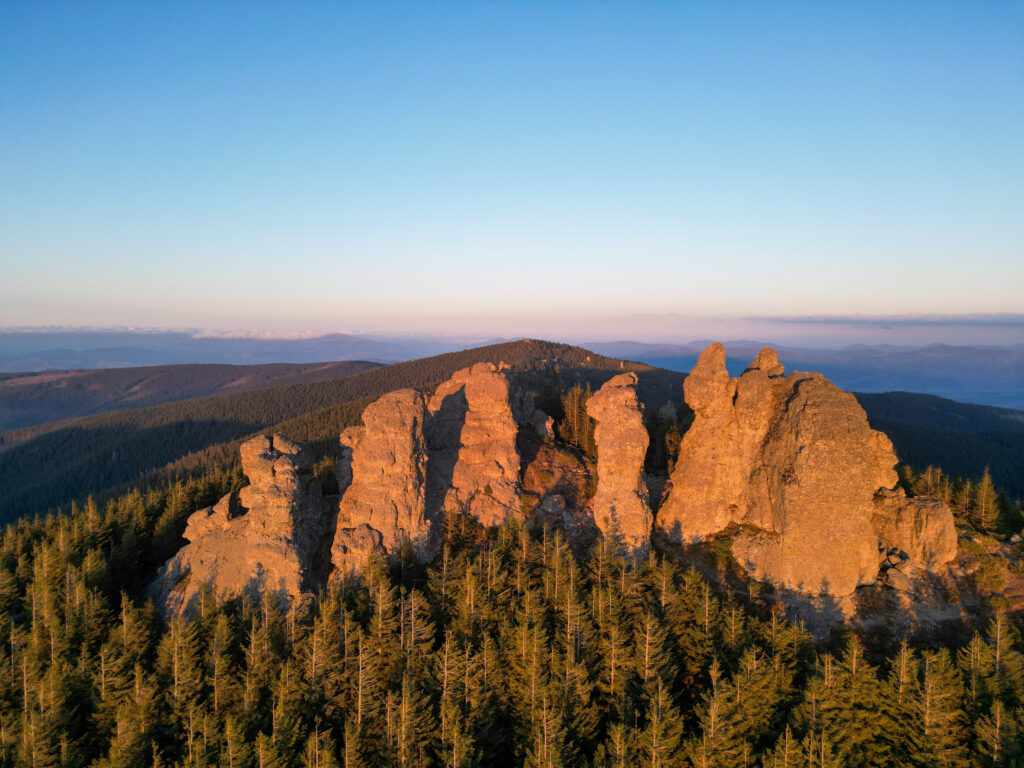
(382, 478)
(472, 437)
(413, 461)
(262, 542)
(620, 506)
(790, 467)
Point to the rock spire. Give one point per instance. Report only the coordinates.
(621, 510)
(262, 541)
(382, 479)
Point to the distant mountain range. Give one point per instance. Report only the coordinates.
(48, 350)
(983, 375)
(987, 375)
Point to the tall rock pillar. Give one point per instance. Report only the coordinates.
(621, 509)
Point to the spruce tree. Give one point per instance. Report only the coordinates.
(940, 721)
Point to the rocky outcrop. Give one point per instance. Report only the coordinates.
(262, 541)
(621, 509)
(382, 478)
(474, 464)
(789, 466)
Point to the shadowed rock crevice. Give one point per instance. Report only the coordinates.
(443, 431)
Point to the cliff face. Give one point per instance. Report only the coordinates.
(791, 467)
(620, 505)
(261, 542)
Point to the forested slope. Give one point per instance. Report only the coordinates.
(35, 398)
(508, 650)
(961, 438)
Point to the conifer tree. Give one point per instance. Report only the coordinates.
(660, 738)
(855, 716)
(546, 748)
(415, 726)
(940, 721)
(351, 751)
(998, 736)
(963, 501)
(985, 508)
(619, 748)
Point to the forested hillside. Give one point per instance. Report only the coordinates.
(49, 465)
(963, 439)
(35, 398)
(509, 649)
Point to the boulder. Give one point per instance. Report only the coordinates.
(920, 527)
(353, 547)
(790, 467)
(382, 479)
(621, 509)
(262, 541)
(899, 581)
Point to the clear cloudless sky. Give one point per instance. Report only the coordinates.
(483, 166)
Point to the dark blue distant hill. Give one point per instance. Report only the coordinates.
(969, 374)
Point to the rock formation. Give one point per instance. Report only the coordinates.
(410, 463)
(620, 504)
(790, 466)
(261, 542)
(787, 466)
(474, 464)
(382, 478)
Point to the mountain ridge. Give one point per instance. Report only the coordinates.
(107, 450)
(31, 398)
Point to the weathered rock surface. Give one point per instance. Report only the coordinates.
(921, 528)
(411, 462)
(261, 542)
(474, 464)
(791, 467)
(621, 509)
(382, 479)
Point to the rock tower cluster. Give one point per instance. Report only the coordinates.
(790, 465)
(409, 463)
(786, 466)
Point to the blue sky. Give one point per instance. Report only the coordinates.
(508, 167)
